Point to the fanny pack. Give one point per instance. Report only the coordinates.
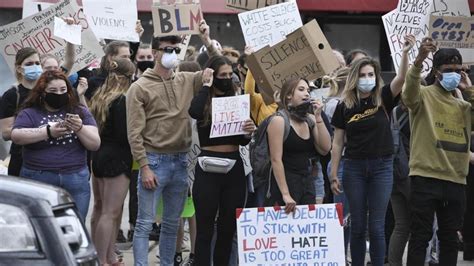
(215, 164)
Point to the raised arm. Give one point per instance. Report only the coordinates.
(397, 83)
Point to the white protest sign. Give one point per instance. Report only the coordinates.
(37, 31)
(269, 25)
(194, 152)
(185, 39)
(229, 115)
(312, 235)
(412, 16)
(70, 33)
(112, 19)
(31, 7)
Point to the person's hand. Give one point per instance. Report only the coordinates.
(249, 126)
(68, 20)
(410, 42)
(336, 186)
(207, 77)
(148, 178)
(317, 108)
(290, 203)
(248, 50)
(58, 130)
(73, 123)
(82, 86)
(427, 46)
(139, 28)
(205, 33)
(465, 81)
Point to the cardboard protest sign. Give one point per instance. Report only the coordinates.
(251, 4)
(37, 31)
(185, 39)
(269, 25)
(229, 115)
(305, 53)
(177, 19)
(452, 32)
(70, 33)
(312, 235)
(450, 8)
(112, 19)
(31, 7)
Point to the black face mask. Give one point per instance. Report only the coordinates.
(301, 111)
(56, 101)
(143, 65)
(224, 85)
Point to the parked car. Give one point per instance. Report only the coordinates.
(40, 225)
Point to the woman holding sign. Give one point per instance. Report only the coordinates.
(220, 183)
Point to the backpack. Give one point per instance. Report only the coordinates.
(259, 149)
(401, 169)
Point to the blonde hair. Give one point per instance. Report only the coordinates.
(116, 85)
(335, 81)
(350, 95)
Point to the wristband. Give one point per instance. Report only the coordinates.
(48, 131)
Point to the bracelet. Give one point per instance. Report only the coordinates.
(48, 131)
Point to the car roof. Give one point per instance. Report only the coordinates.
(33, 189)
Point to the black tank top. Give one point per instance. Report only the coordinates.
(297, 151)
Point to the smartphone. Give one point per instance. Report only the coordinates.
(69, 116)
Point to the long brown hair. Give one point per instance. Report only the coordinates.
(116, 85)
(288, 89)
(36, 96)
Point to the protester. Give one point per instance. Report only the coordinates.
(362, 117)
(354, 55)
(112, 163)
(143, 59)
(161, 97)
(439, 156)
(291, 183)
(56, 132)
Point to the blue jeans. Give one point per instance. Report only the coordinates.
(77, 184)
(368, 185)
(173, 187)
(319, 181)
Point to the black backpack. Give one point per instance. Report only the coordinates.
(401, 169)
(259, 149)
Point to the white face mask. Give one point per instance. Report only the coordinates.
(169, 61)
(366, 85)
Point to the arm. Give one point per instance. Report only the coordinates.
(397, 83)
(196, 109)
(25, 136)
(206, 39)
(136, 122)
(81, 90)
(89, 137)
(322, 139)
(6, 126)
(336, 155)
(275, 133)
(69, 57)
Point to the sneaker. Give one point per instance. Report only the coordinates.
(120, 237)
(130, 235)
(155, 233)
(178, 259)
(190, 261)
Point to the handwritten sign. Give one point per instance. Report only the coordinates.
(70, 33)
(452, 32)
(193, 152)
(412, 16)
(269, 25)
(229, 115)
(251, 4)
(313, 235)
(178, 19)
(305, 53)
(245, 155)
(37, 31)
(31, 7)
(112, 19)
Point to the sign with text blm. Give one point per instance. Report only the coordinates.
(251, 4)
(177, 19)
(269, 25)
(305, 53)
(112, 19)
(37, 31)
(312, 235)
(229, 115)
(452, 32)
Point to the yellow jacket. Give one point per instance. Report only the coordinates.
(258, 109)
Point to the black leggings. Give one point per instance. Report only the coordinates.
(217, 194)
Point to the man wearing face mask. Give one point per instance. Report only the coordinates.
(144, 59)
(159, 133)
(439, 155)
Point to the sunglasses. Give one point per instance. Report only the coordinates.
(169, 49)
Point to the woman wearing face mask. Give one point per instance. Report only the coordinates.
(362, 116)
(27, 71)
(112, 163)
(144, 59)
(291, 183)
(55, 132)
(217, 192)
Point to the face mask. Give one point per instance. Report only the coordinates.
(144, 65)
(56, 101)
(450, 81)
(33, 72)
(366, 84)
(73, 78)
(169, 61)
(301, 111)
(224, 85)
